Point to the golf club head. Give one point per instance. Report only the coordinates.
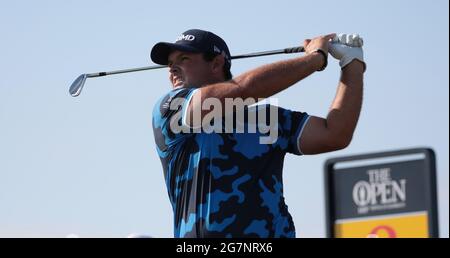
(77, 85)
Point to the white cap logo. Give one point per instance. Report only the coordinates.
(185, 37)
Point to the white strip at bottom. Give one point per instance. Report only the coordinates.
(390, 216)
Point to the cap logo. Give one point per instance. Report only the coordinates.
(186, 37)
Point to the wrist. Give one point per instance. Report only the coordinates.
(355, 66)
(323, 57)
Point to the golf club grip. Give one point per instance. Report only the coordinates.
(294, 50)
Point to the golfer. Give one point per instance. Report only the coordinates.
(223, 170)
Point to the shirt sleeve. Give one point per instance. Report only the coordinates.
(291, 125)
(168, 116)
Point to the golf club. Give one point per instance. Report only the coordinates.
(77, 85)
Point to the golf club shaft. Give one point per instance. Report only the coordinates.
(256, 54)
(271, 52)
(77, 85)
(90, 75)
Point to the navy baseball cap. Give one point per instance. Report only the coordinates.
(195, 41)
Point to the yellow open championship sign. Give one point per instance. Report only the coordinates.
(382, 195)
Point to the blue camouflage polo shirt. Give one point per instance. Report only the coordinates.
(226, 184)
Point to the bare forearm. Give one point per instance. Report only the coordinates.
(346, 106)
(270, 79)
(266, 80)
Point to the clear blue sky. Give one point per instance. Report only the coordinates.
(88, 165)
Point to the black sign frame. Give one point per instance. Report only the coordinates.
(430, 173)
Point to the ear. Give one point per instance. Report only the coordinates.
(218, 63)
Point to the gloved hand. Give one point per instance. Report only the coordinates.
(346, 48)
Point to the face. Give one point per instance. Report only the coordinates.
(189, 69)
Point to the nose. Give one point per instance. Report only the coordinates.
(173, 69)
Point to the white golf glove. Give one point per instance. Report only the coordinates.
(346, 47)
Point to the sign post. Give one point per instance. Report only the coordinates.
(386, 194)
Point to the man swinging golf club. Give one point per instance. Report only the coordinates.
(228, 183)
